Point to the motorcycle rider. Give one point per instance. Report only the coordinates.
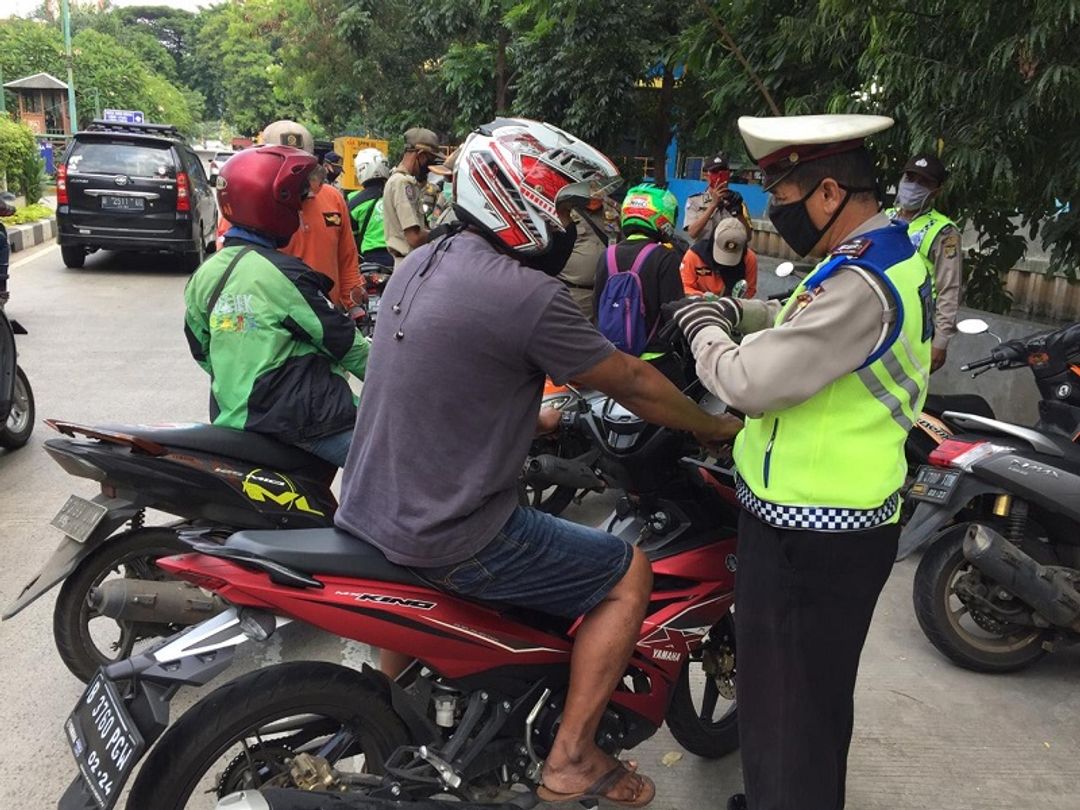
(435, 485)
(260, 322)
(722, 264)
(847, 355)
(366, 207)
(648, 218)
(403, 216)
(937, 239)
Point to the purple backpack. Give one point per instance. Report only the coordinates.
(621, 311)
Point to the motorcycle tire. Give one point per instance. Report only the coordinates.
(932, 592)
(189, 750)
(136, 552)
(15, 432)
(704, 737)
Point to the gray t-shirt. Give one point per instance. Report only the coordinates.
(448, 411)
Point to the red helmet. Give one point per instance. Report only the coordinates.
(261, 189)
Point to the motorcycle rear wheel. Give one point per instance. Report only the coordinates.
(288, 700)
(691, 717)
(78, 630)
(15, 432)
(951, 626)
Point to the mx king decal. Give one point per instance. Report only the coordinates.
(262, 486)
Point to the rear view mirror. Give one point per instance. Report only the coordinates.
(973, 326)
(784, 269)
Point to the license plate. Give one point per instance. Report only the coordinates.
(123, 203)
(934, 485)
(104, 741)
(79, 517)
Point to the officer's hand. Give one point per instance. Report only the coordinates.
(937, 358)
(733, 200)
(694, 313)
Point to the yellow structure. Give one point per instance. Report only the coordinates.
(347, 146)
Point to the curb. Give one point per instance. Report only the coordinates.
(26, 236)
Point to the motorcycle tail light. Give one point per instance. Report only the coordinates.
(962, 454)
(183, 192)
(61, 184)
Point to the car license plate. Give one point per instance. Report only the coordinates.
(79, 517)
(123, 203)
(934, 485)
(104, 741)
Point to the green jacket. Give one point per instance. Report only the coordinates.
(835, 461)
(276, 349)
(366, 210)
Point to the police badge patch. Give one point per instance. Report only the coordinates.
(950, 246)
(410, 192)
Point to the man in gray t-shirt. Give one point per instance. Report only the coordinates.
(449, 408)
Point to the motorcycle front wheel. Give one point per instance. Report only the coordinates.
(971, 638)
(84, 638)
(703, 716)
(246, 734)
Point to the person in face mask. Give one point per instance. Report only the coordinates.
(830, 382)
(704, 210)
(404, 222)
(937, 240)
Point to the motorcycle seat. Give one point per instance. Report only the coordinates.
(330, 552)
(243, 445)
(937, 404)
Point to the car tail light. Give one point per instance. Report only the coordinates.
(61, 184)
(183, 192)
(962, 454)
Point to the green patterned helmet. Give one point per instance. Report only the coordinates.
(650, 207)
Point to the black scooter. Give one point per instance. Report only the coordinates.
(16, 396)
(214, 480)
(999, 514)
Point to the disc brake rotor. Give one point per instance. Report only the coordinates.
(259, 766)
(719, 664)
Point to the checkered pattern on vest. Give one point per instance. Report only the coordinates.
(815, 518)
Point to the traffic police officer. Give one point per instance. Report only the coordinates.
(403, 215)
(704, 210)
(937, 239)
(597, 227)
(830, 382)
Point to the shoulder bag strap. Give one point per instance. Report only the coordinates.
(216, 294)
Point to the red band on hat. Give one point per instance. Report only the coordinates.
(791, 156)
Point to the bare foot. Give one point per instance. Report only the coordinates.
(566, 776)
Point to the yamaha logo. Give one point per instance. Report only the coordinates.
(732, 563)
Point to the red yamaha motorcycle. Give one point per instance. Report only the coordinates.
(473, 717)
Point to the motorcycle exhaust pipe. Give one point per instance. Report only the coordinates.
(1046, 590)
(548, 471)
(153, 602)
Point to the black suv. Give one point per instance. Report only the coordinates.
(133, 187)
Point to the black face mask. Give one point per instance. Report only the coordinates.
(554, 259)
(792, 221)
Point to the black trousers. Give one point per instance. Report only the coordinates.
(803, 603)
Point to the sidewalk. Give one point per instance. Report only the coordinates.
(26, 236)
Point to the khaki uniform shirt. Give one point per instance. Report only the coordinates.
(839, 326)
(948, 272)
(401, 210)
(579, 275)
(698, 204)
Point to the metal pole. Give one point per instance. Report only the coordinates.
(3, 92)
(66, 12)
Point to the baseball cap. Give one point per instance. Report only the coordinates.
(333, 159)
(419, 139)
(717, 163)
(446, 169)
(729, 240)
(928, 166)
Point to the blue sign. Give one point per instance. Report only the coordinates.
(124, 116)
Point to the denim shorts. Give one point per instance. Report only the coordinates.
(540, 562)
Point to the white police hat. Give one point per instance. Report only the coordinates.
(780, 143)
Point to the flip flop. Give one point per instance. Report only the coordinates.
(599, 789)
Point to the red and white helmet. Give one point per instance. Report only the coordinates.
(512, 173)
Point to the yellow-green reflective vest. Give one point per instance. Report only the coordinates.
(924, 229)
(835, 462)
